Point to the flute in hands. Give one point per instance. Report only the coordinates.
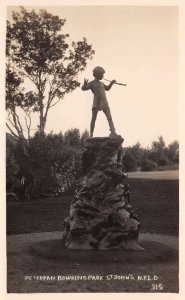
(124, 84)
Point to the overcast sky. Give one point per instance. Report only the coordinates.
(137, 46)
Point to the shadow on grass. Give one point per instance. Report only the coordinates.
(154, 253)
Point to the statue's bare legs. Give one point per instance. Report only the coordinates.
(93, 120)
(109, 119)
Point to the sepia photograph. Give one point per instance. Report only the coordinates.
(92, 148)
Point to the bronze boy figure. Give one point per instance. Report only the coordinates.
(100, 102)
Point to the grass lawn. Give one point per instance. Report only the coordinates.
(155, 201)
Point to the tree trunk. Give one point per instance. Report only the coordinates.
(42, 121)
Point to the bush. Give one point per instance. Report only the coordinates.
(12, 166)
(50, 164)
(47, 166)
(129, 162)
(148, 165)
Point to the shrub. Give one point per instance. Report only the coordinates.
(129, 161)
(47, 165)
(12, 167)
(148, 165)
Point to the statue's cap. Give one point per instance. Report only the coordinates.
(98, 70)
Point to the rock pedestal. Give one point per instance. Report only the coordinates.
(100, 215)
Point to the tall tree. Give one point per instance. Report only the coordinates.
(72, 137)
(158, 146)
(38, 51)
(173, 152)
(158, 152)
(84, 136)
(18, 101)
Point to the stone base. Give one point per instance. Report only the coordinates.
(101, 216)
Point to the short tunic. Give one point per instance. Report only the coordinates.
(98, 88)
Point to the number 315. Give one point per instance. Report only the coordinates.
(157, 287)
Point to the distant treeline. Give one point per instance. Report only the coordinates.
(157, 157)
(48, 164)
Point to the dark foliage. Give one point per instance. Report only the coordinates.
(158, 156)
(148, 165)
(47, 165)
